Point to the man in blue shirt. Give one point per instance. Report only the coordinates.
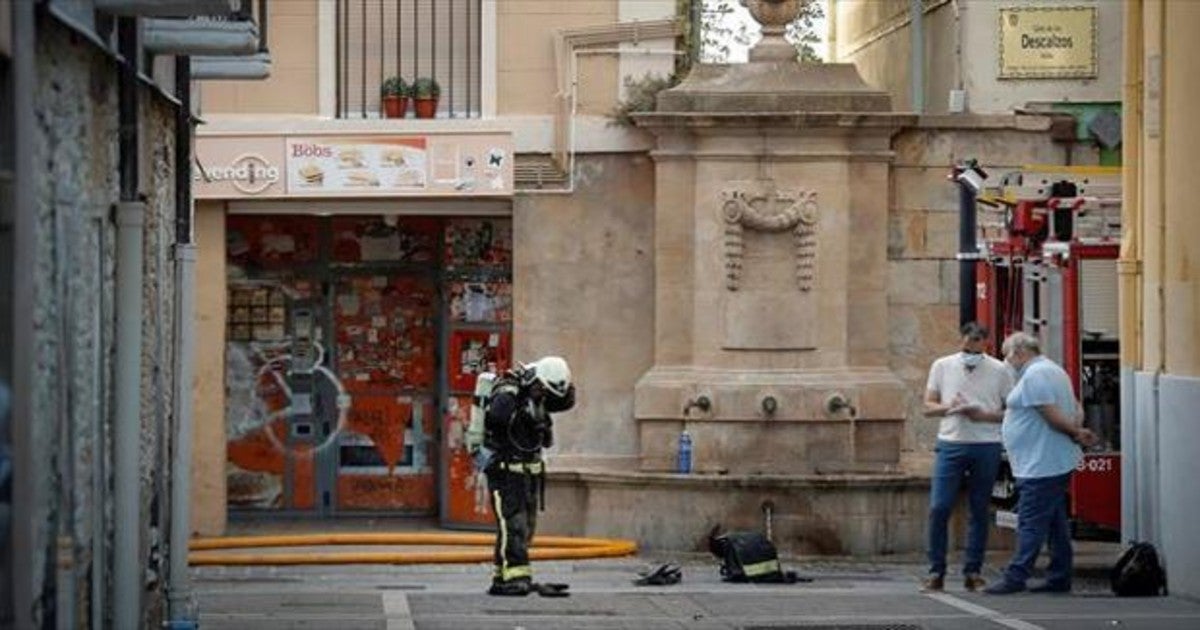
(1042, 433)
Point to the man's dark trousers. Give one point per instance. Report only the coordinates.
(1042, 520)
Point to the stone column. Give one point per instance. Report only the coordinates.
(771, 253)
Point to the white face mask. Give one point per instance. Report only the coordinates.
(971, 360)
(1011, 363)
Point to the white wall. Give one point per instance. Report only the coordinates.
(875, 35)
(1178, 469)
(640, 59)
(981, 60)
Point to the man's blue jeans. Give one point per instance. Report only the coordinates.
(1042, 519)
(976, 464)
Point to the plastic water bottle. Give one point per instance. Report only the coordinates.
(685, 452)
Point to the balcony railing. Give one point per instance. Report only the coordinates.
(377, 39)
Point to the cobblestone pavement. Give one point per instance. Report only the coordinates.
(842, 596)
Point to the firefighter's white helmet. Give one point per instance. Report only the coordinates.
(554, 374)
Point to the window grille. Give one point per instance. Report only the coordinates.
(377, 39)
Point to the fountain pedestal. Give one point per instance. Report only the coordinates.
(771, 268)
(771, 213)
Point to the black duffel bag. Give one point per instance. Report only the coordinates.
(748, 557)
(1138, 573)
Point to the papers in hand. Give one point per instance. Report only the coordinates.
(964, 409)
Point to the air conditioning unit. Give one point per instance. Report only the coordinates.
(168, 8)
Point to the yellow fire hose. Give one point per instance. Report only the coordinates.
(207, 551)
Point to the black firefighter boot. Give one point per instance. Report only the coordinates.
(517, 587)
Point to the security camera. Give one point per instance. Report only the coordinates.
(972, 176)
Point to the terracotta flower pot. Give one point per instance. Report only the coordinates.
(425, 107)
(395, 106)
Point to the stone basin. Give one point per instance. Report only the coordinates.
(817, 514)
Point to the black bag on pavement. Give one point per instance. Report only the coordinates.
(1138, 573)
(748, 557)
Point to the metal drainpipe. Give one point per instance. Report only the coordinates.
(917, 31)
(64, 525)
(127, 552)
(179, 593)
(99, 541)
(968, 254)
(28, 437)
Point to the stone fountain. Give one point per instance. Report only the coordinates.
(771, 325)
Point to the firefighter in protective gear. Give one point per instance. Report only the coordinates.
(517, 426)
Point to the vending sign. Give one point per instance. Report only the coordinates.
(243, 167)
(469, 164)
(356, 166)
(463, 165)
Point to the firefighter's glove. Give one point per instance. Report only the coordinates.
(662, 575)
(482, 456)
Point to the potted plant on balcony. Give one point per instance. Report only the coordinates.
(425, 93)
(394, 94)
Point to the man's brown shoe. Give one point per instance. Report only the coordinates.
(933, 583)
(973, 582)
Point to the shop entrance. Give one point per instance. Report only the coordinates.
(351, 353)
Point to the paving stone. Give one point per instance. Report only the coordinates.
(845, 594)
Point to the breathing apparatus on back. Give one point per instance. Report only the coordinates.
(551, 373)
(484, 384)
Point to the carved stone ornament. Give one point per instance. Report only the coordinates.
(774, 16)
(762, 208)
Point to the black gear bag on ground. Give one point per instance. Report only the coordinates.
(748, 557)
(1138, 573)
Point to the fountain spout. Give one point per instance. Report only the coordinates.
(700, 402)
(838, 403)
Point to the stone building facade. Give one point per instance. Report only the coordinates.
(1160, 373)
(583, 267)
(71, 204)
(573, 267)
(922, 240)
(976, 103)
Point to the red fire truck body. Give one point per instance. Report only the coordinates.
(1049, 239)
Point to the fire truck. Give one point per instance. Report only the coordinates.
(1048, 238)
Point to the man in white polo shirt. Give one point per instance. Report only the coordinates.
(966, 391)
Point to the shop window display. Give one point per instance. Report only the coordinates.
(480, 301)
(255, 242)
(384, 239)
(385, 332)
(388, 300)
(479, 243)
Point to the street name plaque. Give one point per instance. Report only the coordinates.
(1048, 43)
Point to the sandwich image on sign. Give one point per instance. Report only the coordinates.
(410, 178)
(393, 157)
(351, 158)
(403, 156)
(361, 179)
(311, 175)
